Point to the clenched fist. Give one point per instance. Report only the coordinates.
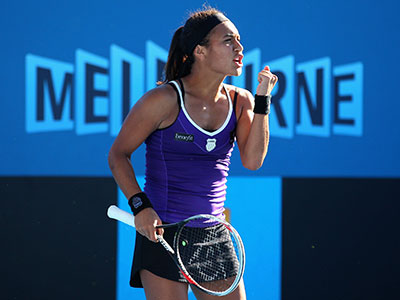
(267, 81)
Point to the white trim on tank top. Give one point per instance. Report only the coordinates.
(194, 123)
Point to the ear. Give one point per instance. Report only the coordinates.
(199, 52)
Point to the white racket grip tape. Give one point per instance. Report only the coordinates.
(118, 214)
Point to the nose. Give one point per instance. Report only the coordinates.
(238, 46)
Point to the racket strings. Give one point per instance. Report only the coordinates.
(209, 255)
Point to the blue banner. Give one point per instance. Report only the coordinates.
(72, 71)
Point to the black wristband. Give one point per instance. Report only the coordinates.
(138, 202)
(262, 104)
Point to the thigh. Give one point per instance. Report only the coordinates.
(154, 258)
(238, 294)
(157, 288)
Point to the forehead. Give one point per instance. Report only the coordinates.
(223, 29)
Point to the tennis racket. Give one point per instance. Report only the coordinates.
(207, 250)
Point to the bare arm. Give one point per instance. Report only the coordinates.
(153, 111)
(253, 129)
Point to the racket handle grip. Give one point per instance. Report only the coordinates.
(118, 214)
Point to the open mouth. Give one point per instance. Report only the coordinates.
(238, 60)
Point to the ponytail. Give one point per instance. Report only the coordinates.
(179, 64)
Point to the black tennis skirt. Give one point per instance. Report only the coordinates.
(154, 258)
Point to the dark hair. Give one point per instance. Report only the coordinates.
(179, 63)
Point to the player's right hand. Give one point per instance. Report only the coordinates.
(146, 222)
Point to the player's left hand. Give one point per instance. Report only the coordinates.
(267, 81)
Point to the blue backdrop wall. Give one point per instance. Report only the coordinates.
(63, 81)
(72, 69)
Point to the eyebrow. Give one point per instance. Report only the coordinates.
(231, 35)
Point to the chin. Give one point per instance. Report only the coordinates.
(237, 72)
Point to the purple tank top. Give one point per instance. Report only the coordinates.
(187, 166)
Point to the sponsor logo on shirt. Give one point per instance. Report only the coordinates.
(183, 137)
(211, 144)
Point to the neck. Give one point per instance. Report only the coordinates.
(204, 85)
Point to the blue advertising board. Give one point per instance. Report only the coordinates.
(71, 71)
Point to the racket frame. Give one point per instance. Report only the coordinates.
(174, 253)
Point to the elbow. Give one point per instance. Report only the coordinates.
(252, 165)
(253, 157)
(111, 159)
(253, 162)
(113, 156)
(117, 157)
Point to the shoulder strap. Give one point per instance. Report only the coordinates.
(183, 89)
(235, 100)
(233, 132)
(177, 93)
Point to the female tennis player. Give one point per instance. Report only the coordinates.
(189, 124)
